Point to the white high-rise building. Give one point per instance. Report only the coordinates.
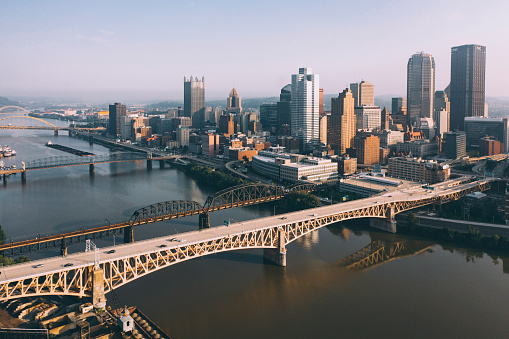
(368, 117)
(305, 107)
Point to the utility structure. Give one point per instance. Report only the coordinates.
(98, 295)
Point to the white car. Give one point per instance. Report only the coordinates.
(38, 265)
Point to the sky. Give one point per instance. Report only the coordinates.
(141, 50)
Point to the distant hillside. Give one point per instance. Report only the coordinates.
(6, 102)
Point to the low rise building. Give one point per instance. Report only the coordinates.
(418, 148)
(416, 169)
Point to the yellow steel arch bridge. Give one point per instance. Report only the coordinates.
(95, 273)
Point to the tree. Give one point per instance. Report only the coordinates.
(411, 219)
(245, 159)
(3, 236)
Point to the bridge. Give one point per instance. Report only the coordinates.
(241, 195)
(95, 273)
(33, 123)
(91, 161)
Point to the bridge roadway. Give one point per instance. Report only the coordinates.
(134, 260)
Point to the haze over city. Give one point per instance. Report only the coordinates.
(129, 51)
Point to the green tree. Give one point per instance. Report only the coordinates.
(3, 236)
(411, 219)
(245, 159)
(297, 201)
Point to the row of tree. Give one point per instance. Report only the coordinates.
(5, 261)
(472, 238)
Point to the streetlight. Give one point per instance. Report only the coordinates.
(177, 231)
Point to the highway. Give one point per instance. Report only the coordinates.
(83, 259)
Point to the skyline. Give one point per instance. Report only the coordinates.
(128, 51)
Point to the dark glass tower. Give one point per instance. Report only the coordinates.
(284, 110)
(194, 101)
(117, 111)
(468, 68)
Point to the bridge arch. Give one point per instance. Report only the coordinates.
(18, 107)
(33, 118)
(240, 195)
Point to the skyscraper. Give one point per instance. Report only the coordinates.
(194, 101)
(284, 110)
(342, 122)
(117, 111)
(305, 107)
(420, 87)
(363, 93)
(399, 106)
(468, 68)
(233, 103)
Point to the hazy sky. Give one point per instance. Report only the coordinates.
(134, 50)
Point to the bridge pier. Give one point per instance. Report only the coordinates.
(91, 169)
(388, 224)
(204, 220)
(24, 177)
(4, 178)
(277, 255)
(98, 296)
(55, 132)
(63, 248)
(149, 164)
(161, 163)
(128, 235)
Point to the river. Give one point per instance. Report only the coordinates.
(440, 292)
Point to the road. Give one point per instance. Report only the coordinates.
(49, 265)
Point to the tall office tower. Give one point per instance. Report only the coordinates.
(305, 105)
(420, 87)
(117, 111)
(268, 117)
(363, 93)
(233, 103)
(226, 125)
(384, 119)
(342, 122)
(367, 117)
(323, 128)
(194, 101)
(320, 102)
(399, 106)
(284, 110)
(468, 68)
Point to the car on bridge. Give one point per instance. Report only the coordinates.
(163, 246)
(110, 252)
(38, 265)
(68, 264)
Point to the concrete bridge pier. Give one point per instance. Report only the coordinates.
(98, 295)
(91, 169)
(90, 139)
(4, 178)
(24, 177)
(161, 163)
(128, 234)
(388, 224)
(63, 248)
(55, 132)
(149, 164)
(204, 220)
(277, 255)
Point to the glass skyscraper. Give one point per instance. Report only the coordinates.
(194, 101)
(420, 87)
(468, 68)
(305, 107)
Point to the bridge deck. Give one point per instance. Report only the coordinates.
(374, 204)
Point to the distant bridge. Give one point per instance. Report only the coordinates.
(99, 271)
(33, 123)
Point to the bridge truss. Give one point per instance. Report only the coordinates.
(120, 271)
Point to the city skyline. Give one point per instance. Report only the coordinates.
(104, 51)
